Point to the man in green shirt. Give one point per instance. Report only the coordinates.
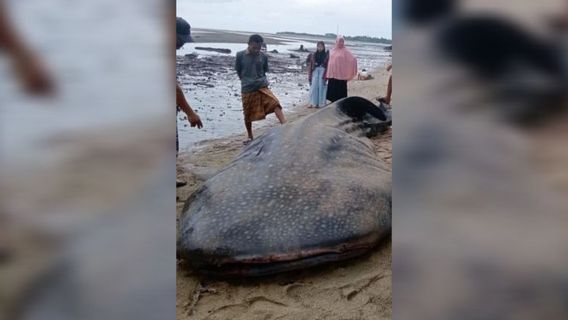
(258, 101)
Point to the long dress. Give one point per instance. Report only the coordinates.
(342, 67)
(336, 89)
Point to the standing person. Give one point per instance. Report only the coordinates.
(183, 35)
(258, 101)
(342, 67)
(317, 66)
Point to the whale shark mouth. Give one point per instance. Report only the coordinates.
(258, 266)
(268, 268)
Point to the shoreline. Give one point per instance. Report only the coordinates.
(203, 35)
(361, 286)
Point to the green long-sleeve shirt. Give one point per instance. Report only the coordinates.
(252, 71)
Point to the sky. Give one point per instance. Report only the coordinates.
(354, 18)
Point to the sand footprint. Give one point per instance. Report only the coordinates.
(291, 290)
(259, 303)
(350, 290)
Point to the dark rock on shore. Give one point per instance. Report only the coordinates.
(205, 84)
(213, 49)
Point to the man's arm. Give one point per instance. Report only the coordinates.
(28, 66)
(326, 66)
(193, 118)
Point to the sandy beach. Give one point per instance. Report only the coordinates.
(356, 289)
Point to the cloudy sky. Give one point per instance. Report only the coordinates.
(356, 17)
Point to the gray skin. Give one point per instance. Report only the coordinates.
(301, 195)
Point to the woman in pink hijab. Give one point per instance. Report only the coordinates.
(342, 67)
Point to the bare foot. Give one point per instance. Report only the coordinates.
(383, 100)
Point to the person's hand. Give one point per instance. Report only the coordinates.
(35, 78)
(194, 120)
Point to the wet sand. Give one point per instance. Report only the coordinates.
(357, 289)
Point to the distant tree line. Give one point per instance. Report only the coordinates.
(333, 36)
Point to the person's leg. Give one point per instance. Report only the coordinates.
(314, 98)
(314, 90)
(331, 88)
(179, 183)
(389, 91)
(322, 88)
(248, 113)
(344, 93)
(248, 126)
(280, 115)
(270, 102)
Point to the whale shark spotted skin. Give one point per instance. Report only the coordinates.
(302, 194)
